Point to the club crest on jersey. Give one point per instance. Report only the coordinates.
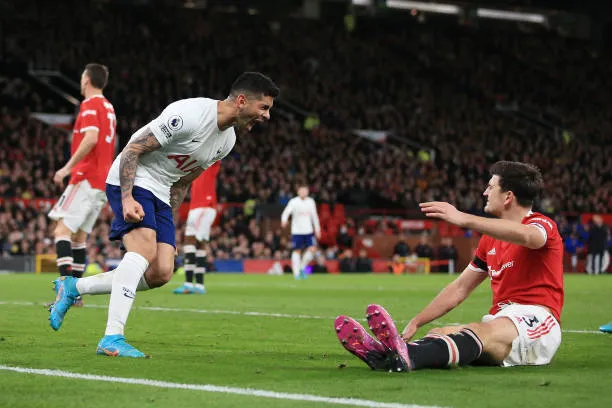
(175, 123)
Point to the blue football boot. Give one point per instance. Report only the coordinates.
(65, 295)
(606, 328)
(114, 345)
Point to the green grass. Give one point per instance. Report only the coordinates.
(282, 354)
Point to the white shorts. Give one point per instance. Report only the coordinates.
(79, 206)
(539, 334)
(199, 221)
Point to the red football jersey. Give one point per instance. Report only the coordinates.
(522, 275)
(96, 113)
(204, 188)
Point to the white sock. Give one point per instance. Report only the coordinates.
(295, 263)
(125, 281)
(97, 284)
(306, 259)
(102, 283)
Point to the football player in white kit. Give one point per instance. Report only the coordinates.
(304, 221)
(145, 188)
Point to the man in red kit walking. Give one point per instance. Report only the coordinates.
(520, 253)
(202, 214)
(92, 153)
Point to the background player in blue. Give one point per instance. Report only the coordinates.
(146, 186)
(305, 228)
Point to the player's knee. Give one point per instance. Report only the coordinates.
(61, 230)
(143, 242)
(79, 237)
(496, 335)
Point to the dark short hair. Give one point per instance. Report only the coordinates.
(98, 75)
(523, 179)
(254, 83)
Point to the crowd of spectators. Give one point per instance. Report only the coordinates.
(436, 85)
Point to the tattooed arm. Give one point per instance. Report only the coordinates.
(129, 160)
(132, 210)
(178, 191)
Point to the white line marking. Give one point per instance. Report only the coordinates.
(257, 314)
(215, 388)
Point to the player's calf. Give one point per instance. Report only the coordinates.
(442, 351)
(161, 270)
(460, 347)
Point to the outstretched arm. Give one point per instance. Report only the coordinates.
(178, 191)
(530, 236)
(449, 298)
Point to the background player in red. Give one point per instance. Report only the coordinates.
(202, 214)
(521, 253)
(92, 153)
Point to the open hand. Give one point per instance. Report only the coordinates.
(410, 330)
(443, 211)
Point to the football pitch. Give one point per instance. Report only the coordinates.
(268, 341)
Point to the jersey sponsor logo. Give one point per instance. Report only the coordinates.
(491, 252)
(183, 163)
(493, 273)
(175, 123)
(166, 131)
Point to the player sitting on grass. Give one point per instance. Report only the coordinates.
(521, 253)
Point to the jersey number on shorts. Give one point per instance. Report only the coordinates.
(530, 321)
(183, 163)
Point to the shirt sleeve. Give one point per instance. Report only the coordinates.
(479, 263)
(315, 217)
(287, 211)
(89, 119)
(180, 120)
(545, 226)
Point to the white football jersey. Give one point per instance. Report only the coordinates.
(303, 216)
(189, 136)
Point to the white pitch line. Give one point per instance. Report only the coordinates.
(250, 392)
(257, 314)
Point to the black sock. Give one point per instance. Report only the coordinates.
(78, 261)
(63, 250)
(438, 351)
(190, 259)
(200, 269)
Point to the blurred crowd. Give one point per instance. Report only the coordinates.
(452, 92)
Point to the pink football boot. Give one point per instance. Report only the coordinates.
(357, 341)
(382, 326)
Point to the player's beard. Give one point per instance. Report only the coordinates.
(245, 127)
